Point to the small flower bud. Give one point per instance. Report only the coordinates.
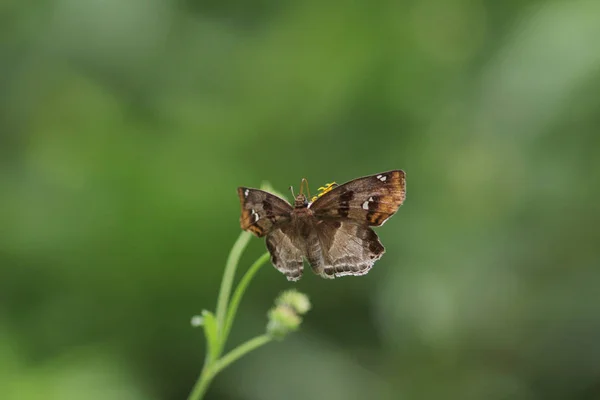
(285, 316)
(294, 299)
(282, 320)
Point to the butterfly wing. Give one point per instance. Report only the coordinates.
(261, 211)
(370, 200)
(347, 248)
(266, 214)
(285, 256)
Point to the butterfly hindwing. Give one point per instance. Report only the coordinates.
(348, 248)
(285, 256)
(371, 199)
(262, 210)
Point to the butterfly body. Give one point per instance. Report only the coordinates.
(333, 233)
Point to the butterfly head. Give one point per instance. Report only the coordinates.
(301, 201)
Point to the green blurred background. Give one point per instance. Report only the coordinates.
(126, 126)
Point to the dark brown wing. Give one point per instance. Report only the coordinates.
(262, 210)
(371, 200)
(347, 248)
(285, 256)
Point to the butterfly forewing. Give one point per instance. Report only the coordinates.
(370, 200)
(262, 210)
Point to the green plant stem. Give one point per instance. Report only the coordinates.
(239, 292)
(210, 371)
(225, 314)
(201, 385)
(227, 282)
(241, 350)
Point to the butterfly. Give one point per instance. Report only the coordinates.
(332, 232)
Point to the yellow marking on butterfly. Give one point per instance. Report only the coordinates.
(323, 190)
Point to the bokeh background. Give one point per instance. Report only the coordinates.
(126, 126)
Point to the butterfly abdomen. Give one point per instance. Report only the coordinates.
(314, 252)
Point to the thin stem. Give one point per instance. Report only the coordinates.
(239, 292)
(201, 385)
(239, 351)
(209, 371)
(224, 316)
(227, 282)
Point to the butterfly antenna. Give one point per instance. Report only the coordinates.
(292, 190)
(305, 183)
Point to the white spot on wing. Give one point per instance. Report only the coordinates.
(365, 205)
(255, 215)
(382, 178)
(246, 193)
